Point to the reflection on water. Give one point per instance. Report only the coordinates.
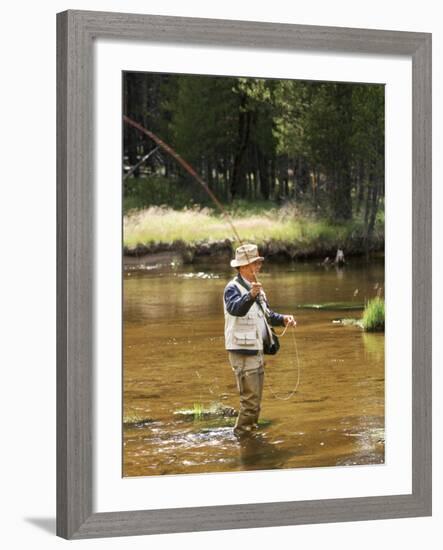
(174, 357)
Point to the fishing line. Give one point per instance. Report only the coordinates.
(294, 390)
(160, 143)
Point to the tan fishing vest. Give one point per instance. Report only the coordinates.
(244, 332)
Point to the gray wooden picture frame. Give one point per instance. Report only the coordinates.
(76, 32)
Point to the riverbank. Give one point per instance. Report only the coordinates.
(200, 234)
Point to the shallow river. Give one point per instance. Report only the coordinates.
(174, 359)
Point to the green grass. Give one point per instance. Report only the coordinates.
(155, 190)
(374, 315)
(163, 224)
(198, 410)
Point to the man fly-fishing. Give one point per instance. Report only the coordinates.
(248, 333)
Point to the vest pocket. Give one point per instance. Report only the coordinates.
(245, 338)
(245, 321)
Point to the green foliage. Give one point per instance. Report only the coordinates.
(374, 315)
(292, 100)
(156, 190)
(203, 116)
(316, 143)
(259, 100)
(338, 128)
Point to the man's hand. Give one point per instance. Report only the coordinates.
(289, 320)
(256, 289)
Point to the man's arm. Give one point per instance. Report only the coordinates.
(236, 303)
(276, 319)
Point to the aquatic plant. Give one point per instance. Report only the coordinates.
(348, 322)
(374, 315)
(198, 410)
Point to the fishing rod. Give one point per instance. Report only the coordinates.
(160, 143)
(186, 166)
(170, 151)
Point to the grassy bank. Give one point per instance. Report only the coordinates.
(284, 225)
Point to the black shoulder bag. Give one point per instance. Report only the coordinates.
(272, 344)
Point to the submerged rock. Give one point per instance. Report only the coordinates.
(348, 322)
(136, 421)
(331, 306)
(212, 412)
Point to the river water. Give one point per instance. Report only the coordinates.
(174, 360)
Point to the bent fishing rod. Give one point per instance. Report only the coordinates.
(186, 166)
(170, 151)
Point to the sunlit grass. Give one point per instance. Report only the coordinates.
(165, 225)
(374, 315)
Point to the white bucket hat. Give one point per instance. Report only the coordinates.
(246, 254)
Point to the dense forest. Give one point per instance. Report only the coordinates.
(315, 144)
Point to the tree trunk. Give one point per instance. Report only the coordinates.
(341, 199)
(360, 187)
(273, 176)
(371, 212)
(210, 179)
(238, 172)
(264, 176)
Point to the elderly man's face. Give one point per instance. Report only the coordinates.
(256, 266)
(251, 269)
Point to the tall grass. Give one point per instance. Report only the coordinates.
(374, 315)
(162, 224)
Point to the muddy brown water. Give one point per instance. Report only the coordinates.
(174, 358)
